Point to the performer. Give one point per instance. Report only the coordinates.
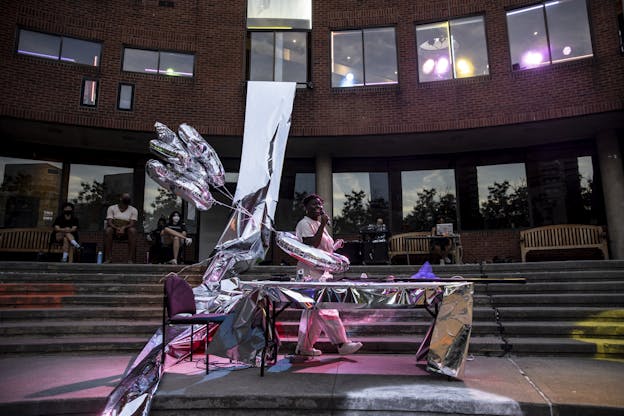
(312, 230)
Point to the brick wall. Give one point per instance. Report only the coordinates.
(213, 101)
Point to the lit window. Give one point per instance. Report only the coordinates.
(547, 33)
(89, 92)
(62, 48)
(452, 49)
(364, 57)
(279, 14)
(278, 56)
(125, 100)
(157, 62)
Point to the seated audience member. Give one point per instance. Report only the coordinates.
(65, 230)
(121, 221)
(174, 235)
(157, 251)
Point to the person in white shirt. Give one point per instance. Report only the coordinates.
(121, 221)
(312, 230)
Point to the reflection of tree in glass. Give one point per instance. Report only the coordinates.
(428, 209)
(91, 204)
(356, 213)
(505, 209)
(164, 204)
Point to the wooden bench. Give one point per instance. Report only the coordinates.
(29, 240)
(408, 244)
(563, 236)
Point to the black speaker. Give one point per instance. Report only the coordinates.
(375, 253)
(88, 254)
(352, 250)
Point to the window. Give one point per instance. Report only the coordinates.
(93, 188)
(547, 33)
(278, 56)
(562, 191)
(279, 14)
(157, 202)
(156, 62)
(29, 192)
(364, 57)
(503, 196)
(439, 58)
(359, 199)
(427, 196)
(61, 48)
(125, 97)
(89, 92)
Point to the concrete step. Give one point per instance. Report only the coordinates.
(576, 313)
(578, 299)
(80, 313)
(90, 328)
(53, 300)
(552, 287)
(72, 344)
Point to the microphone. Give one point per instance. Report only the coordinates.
(328, 220)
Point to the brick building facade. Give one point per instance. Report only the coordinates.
(540, 118)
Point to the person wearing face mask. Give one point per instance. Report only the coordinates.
(312, 230)
(121, 221)
(65, 230)
(174, 235)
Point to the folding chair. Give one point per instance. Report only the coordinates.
(178, 303)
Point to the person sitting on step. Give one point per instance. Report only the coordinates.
(65, 230)
(174, 236)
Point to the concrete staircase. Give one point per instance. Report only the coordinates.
(564, 308)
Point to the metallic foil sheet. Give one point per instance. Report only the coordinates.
(451, 328)
(451, 334)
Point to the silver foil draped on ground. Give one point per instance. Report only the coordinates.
(240, 337)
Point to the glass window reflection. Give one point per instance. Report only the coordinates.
(364, 57)
(29, 193)
(39, 44)
(428, 195)
(157, 202)
(452, 49)
(278, 56)
(549, 32)
(81, 52)
(176, 64)
(359, 199)
(503, 195)
(380, 58)
(92, 188)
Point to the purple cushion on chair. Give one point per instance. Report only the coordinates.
(180, 297)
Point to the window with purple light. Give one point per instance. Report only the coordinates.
(452, 49)
(549, 32)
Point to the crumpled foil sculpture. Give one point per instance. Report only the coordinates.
(193, 166)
